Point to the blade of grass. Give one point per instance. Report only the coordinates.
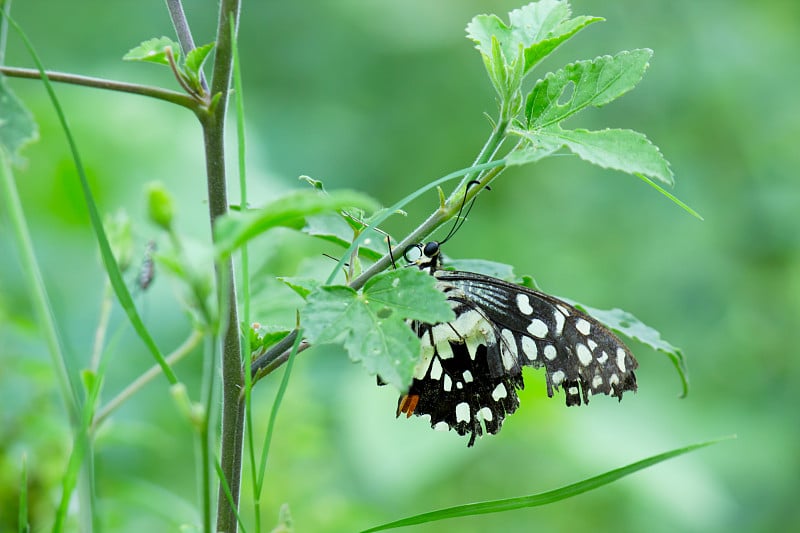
(22, 521)
(245, 267)
(670, 196)
(37, 289)
(112, 268)
(274, 414)
(497, 506)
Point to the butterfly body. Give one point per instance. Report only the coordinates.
(470, 368)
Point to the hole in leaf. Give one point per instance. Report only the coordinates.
(567, 94)
(385, 312)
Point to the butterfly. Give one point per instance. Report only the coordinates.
(470, 368)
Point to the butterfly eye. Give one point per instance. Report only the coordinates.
(412, 253)
(431, 249)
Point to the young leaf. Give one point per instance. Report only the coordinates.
(593, 83)
(633, 328)
(371, 325)
(335, 229)
(154, 51)
(234, 229)
(302, 286)
(625, 150)
(567, 91)
(17, 127)
(196, 58)
(539, 28)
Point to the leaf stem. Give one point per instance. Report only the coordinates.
(136, 385)
(183, 31)
(167, 95)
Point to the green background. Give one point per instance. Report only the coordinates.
(383, 97)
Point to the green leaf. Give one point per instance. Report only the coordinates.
(154, 51)
(335, 229)
(17, 127)
(539, 28)
(592, 83)
(543, 498)
(196, 58)
(630, 326)
(371, 325)
(625, 150)
(302, 286)
(235, 229)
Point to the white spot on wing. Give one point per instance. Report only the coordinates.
(436, 369)
(467, 376)
(583, 326)
(550, 352)
(603, 357)
(597, 381)
(558, 377)
(462, 412)
(584, 355)
(563, 309)
(485, 414)
(621, 359)
(508, 349)
(529, 348)
(445, 350)
(499, 392)
(537, 328)
(592, 344)
(559, 322)
(447, 384)
(524, 304)
(613, 380)
(441, 426)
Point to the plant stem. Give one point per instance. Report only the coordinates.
(232, 379)
(101, 83)
(183, 31)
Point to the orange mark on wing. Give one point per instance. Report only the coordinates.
(407, 404)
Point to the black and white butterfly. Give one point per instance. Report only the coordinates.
(470, 368)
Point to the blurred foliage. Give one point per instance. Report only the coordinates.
(383, 97)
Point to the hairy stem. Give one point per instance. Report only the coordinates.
(232, 379)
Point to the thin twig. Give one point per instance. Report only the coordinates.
(182, 30)
(101, 83)
(136, 385)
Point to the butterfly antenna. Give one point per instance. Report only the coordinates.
(461, 217)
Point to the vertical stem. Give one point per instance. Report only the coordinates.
(232, 379)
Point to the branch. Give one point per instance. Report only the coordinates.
(173, 97)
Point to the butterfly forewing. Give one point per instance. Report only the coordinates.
(471, 367)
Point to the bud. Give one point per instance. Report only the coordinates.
(159, 205)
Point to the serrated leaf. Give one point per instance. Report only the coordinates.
(333, 228)
(196, 58)
(371, 325)
(633, 328)
(17, 127)
(618, 149)
(234, 229)
(300, 285)
(154, 51)
(531, 154)
(539, 28)
(594, 82)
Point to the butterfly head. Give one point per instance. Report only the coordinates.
(424, 257)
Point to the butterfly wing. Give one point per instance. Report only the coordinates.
(499, 328)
